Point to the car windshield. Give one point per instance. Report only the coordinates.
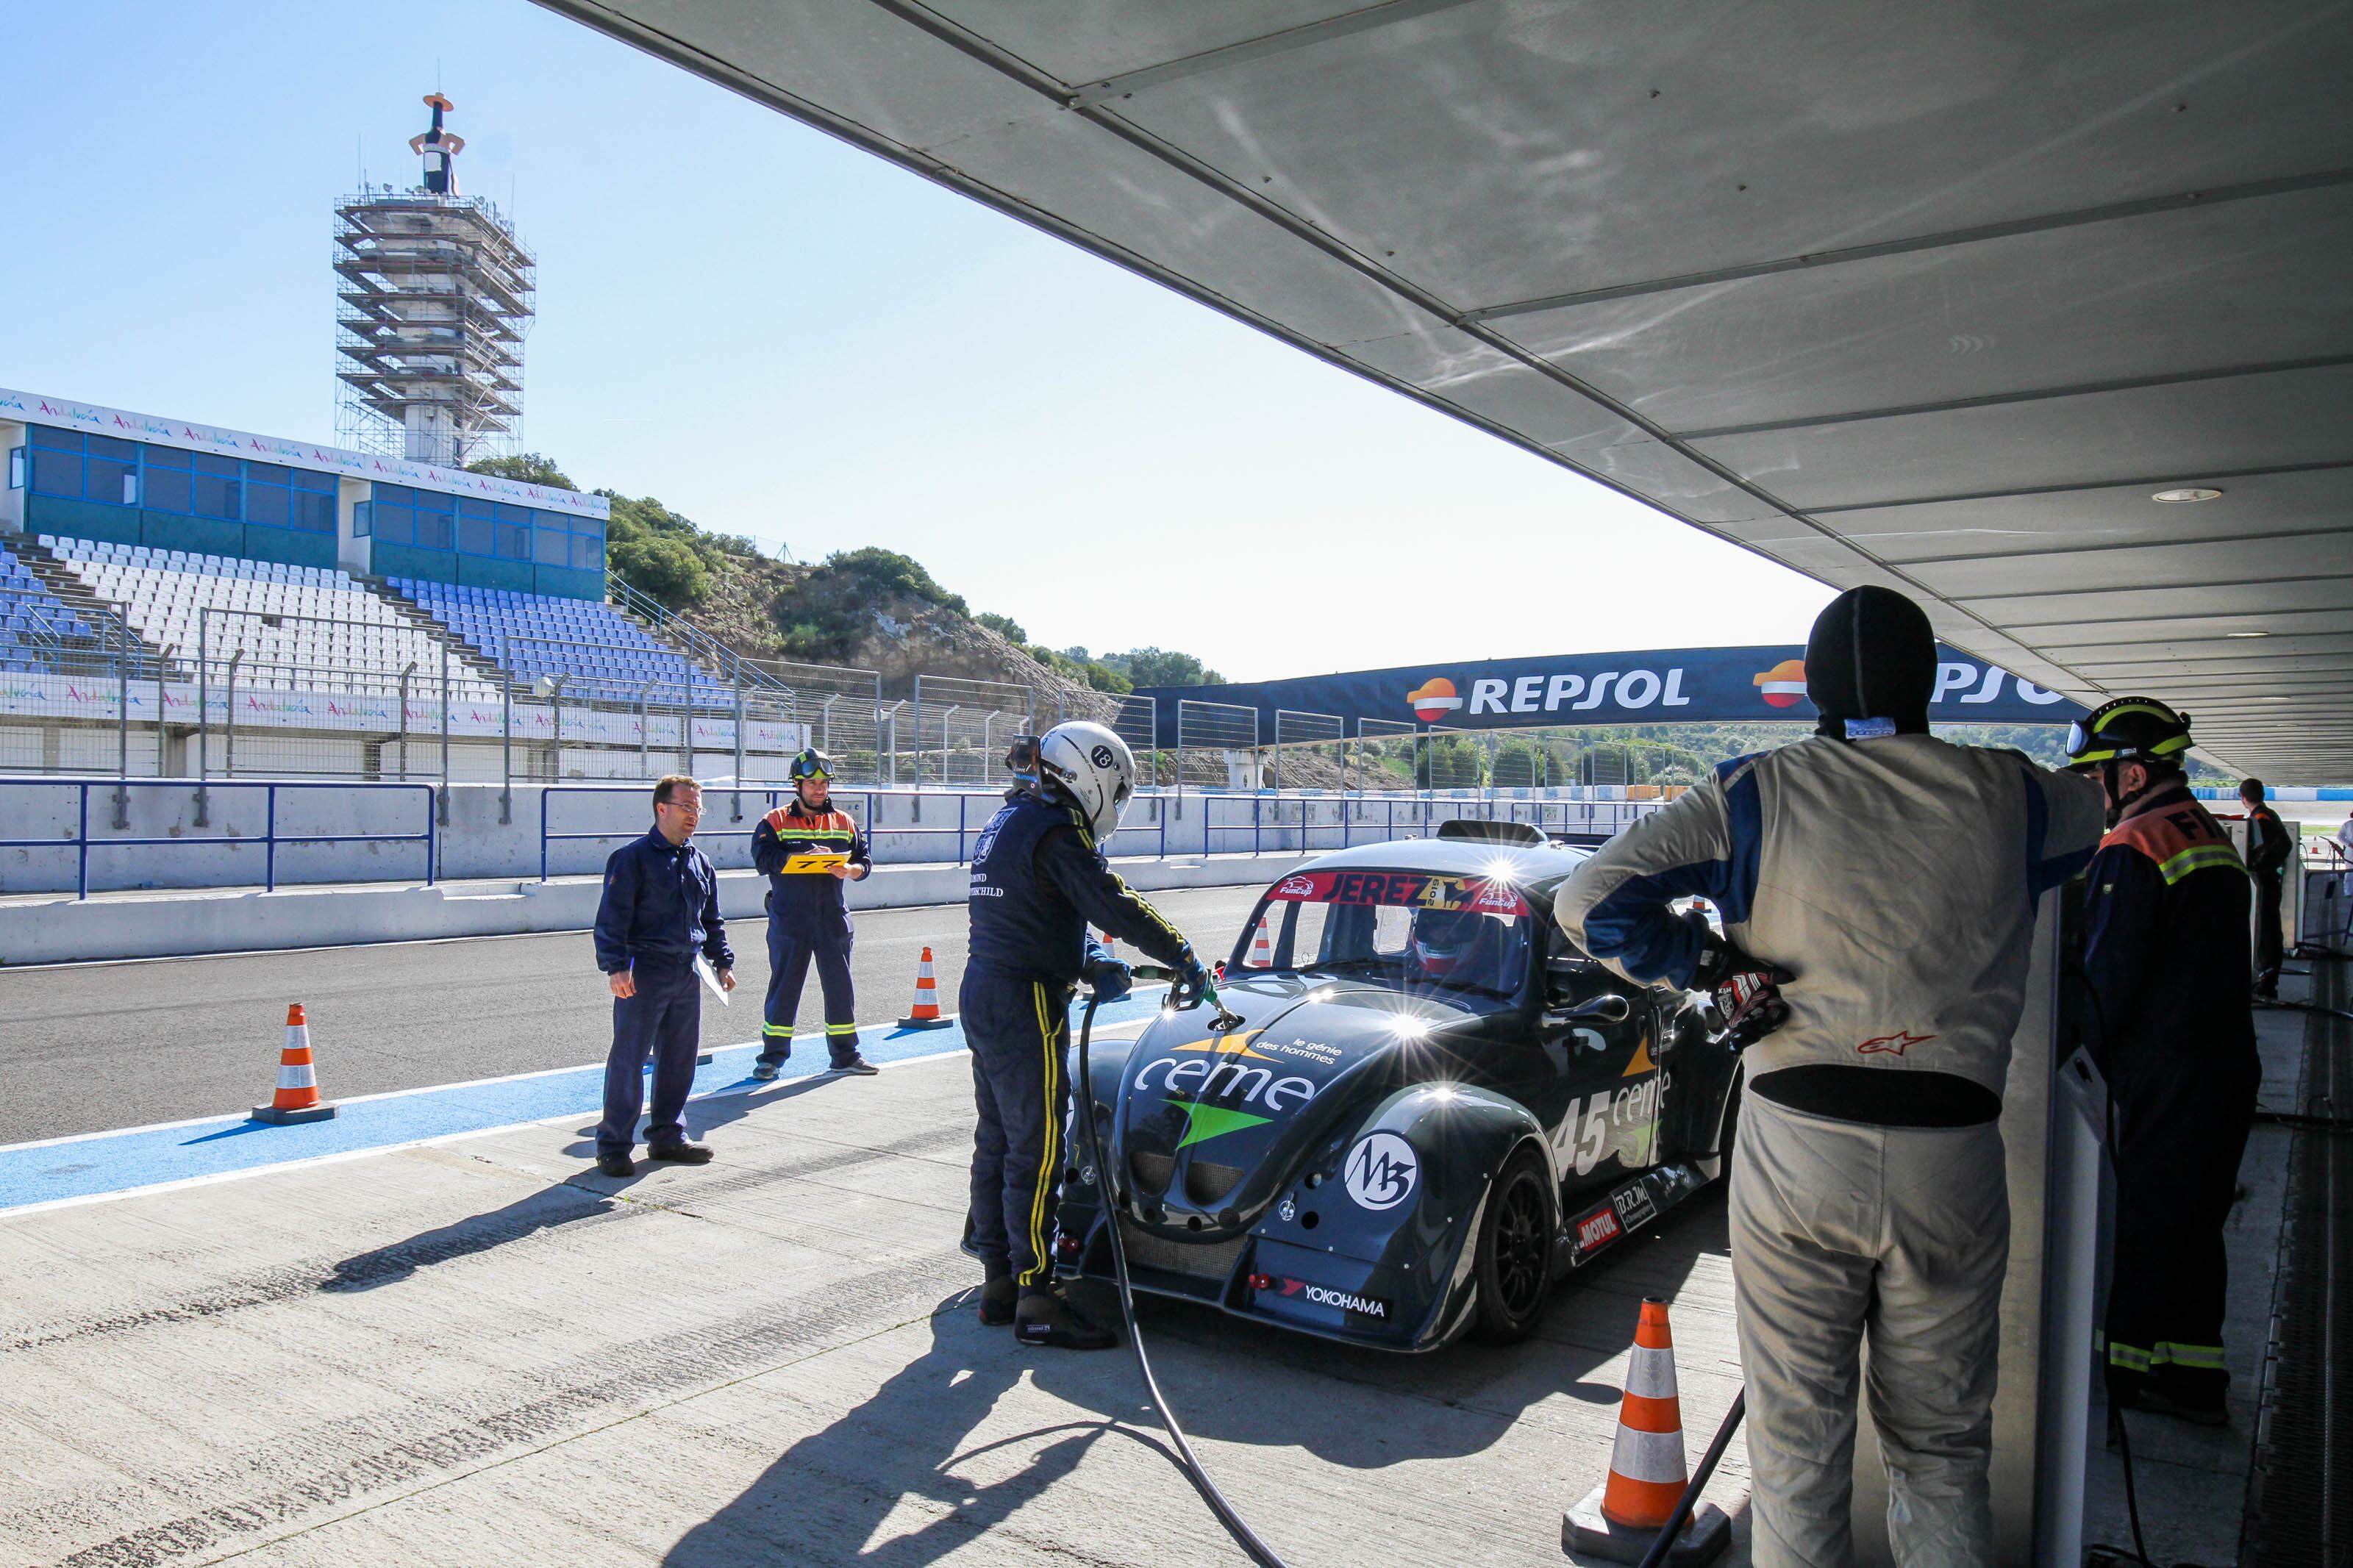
(1420, 929)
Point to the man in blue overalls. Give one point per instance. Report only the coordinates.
(807, 917)
(659, 910)
(1038, 878)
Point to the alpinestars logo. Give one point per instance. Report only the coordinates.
(1893, 1045)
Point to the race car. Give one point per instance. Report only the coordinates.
(1431, 1108)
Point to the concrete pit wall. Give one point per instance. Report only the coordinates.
(224, 849)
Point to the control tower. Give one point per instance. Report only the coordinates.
(433, 295)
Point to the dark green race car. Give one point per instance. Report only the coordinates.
(1434, 1106)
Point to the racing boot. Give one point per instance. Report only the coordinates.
(1046, 1318)
(996, 1298)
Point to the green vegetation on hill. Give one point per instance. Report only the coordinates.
(857, 606)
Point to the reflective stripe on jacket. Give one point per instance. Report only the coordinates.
(1895, 876)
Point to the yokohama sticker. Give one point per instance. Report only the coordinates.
(1324, 1296)
(1596, 1229)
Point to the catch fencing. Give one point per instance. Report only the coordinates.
(1217, 745)
(962, 729)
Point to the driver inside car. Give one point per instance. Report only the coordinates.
(1465, 949)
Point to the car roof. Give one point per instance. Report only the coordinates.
(1530, 865)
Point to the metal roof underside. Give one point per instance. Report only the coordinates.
(1928, 295)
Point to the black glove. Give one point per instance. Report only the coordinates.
(1111, 979)
(1192, 981)
(1745, 992)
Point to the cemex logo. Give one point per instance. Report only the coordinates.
(1433, 700)
(1784, 685)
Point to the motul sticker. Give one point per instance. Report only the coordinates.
(1597, 1228)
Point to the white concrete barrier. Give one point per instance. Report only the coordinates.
(168, 925)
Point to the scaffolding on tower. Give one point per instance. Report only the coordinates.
(434, 297)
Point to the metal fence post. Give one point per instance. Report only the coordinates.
(406, 673)
(441, 808)
(506, 746)
(123, 726)
(203, 720)
(162, 736)
(228, 717)
(686, 715)
(645, 756)
(737, 811)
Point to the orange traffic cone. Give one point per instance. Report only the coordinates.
(297, 1099)
(1261, 951)
(1620, 1518)
(926, 1012)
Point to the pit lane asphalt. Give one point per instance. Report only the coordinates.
(88, 1048)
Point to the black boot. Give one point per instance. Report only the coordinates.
(1045, 1318)
(996, 1301)
(683, 1152)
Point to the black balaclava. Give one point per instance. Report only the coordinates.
(1870, 657)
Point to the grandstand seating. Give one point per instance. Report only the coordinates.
(37, 628)
(300, 627)
(603, 654)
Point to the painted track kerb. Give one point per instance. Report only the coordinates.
(94, 1166)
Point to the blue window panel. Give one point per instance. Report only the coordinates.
(57, 473)
(515, 541)
(314, 510)
(215, 488)
(266, 474)
(394, 524)
(166, 490)
(400, 495)
(364, 520)
(56, 440)
(474, 532)
(305, 480)
(266, 504)
(549, 548)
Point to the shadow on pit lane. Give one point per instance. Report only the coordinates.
(715, 1110)
(824, 1497)
(542, 1210)
(1242, 1382)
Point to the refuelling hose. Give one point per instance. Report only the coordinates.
(1198, 1473)
(1227, 1515)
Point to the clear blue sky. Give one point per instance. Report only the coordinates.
(783, 337)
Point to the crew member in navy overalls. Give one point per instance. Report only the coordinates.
(1038, 878)
(659, 910)
(807, 918)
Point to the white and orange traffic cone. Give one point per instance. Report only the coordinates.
(1261, 951)
(297, 1099)
(926, 1012)
(1621, 1519)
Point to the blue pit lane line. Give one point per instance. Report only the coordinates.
(97, 1164)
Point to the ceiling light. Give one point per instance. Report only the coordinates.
(2246, 634)
(2191, 494)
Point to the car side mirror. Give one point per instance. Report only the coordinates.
(1607, 1008)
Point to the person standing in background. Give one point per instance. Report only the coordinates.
(659, 911)
(808, 919)
(2269, 845)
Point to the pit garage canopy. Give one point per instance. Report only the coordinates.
(1933, 296)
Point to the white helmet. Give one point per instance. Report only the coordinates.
(1092, 768)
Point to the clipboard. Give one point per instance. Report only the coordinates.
(818, 863)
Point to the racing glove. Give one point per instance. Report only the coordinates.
(1192, 982)
(1111, 979)
(1745, 992)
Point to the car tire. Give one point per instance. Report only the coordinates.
(1513, 1260)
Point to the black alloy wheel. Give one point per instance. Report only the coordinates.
(1513, 1260)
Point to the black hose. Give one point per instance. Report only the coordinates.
(1236, 1526)
(1666, 1544)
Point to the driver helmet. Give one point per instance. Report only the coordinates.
(1448, 943)
(1086, 765)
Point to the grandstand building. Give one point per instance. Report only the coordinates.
(253, 604)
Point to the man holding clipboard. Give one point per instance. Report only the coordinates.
(807, 850)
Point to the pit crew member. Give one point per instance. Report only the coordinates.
(2170, 1022)
(807, 917)
(1877, 888)
(1038, 880)
(2270, 845)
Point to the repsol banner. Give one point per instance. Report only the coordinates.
(1696, 685)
